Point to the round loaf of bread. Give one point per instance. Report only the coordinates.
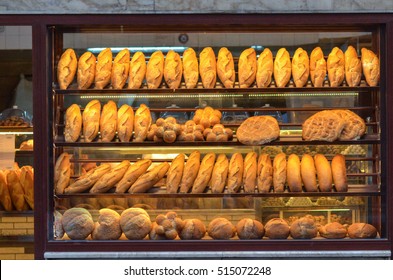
(135, 223)
(258, 130)
(303, 228)
(362, 230)
(248, 228)
(77, 223)
(277, 228)
(193, 229)
(108, 225)
(221, 228)
(332, 230)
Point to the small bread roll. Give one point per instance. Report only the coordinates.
(66, 68)
(125, 123)
(226, 68)
(264, 173)
(155, 70)
(279, 172)
(62, 173)
(204, 173)
(86, 70)
(137, 70)
(332, 230)
(108, 225)
(362, 230)
(109, 179)
(91, 120)
(103, 69)
(353, 67)
(371, 67)
(247, 67)
(324, 173)
(221, 228)
(339, 173)
(300, 67)
(282, 68)
(235, 173)
(190, 171)
(133, 172)
(5, 197)
(173, 69)
(317, 67)
(166, 227)
(193, 229)
(149, 179)
(77, 223)
(73, 123)
(190, 68)
(208, 67)
(120, 69)
(219, 174)
(294, 178)
(250, 172)
(277, 228)
(303, 228)
(175, 174)
(142, 122)
(336, 67)
(309, 173)
(248, 228)
(135, 223)
(108, 121)
(265, 68)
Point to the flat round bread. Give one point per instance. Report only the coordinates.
(323, 126)
(258, 130)
(354, 126)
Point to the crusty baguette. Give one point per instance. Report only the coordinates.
(250, 172)
(16, 190)
(282, 68)
(62, 173)
(204, 173)
(190, 68)
(235, 173)
(173, 69)
(219, 174)
(279, 172)
(353, 67)
(5, 197)
(108, 121)
(294, 178)
(247, 68)
(265, 68)
(120, 69)
(264, 173)
(133, 172)
(109, 179)
(155, 70)
(27, 182)
(226, 68)
(103, 69)
(73, 123)
(142, 122)
(87, 180)
(175, 174)
(336, 67)
(300, 67)
(309, 173)
(137, 70)
(317, 67)
(324, 173)
(370, 66)
(208, 67)
(66, 68)
(190, 172)
(125, 123)
(339, 173)
(149, 179)
(91, 120)
(86, 70)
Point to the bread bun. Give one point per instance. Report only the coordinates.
(294, 178)
(108, 225)
(103, 69)
(173, 69)
(336, 67)
(190, 68)
(248, 228)
(190, 172)
(86, 70)
(282, 68)
(258, 130)
(250, 172)
(125, 123)
(155, 70)
(300, 67)
(264, 173)
(277, 228)
(166, 226)
(73, 123)
(175, 174)
(324, 173)
(265, 68)
(135, 223)
(133, 172)
(353, 67)
(221, 228)
(247, 67)
(303, 228)
(279, 172)
(317, 67)
(120, 69)
(339, 173)
(193, 229)
(235, 173)
(226, 68)
(91, 120)
(370, 66)
(332, 230)
(208, 67)
(308, 173)
(77, 223)
(219, 174)
(66, 68)
(137, 70)
(362, 230)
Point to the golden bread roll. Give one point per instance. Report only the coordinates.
(339, 173)
(27, 182)
(336, 67)
(279, 172)
(207, 117)
(247, 67)
(108, 121)
(258, 130)
(125, 123)
(107, 226)
(221, 228)
(294, 178)
(16, 190)
(354, 126)
(248, 228)
(208, 67)
(190, 68)
(309, 173)
(149, 179)
(155, 70)
(250, 172)
(137, 70)
(109, 179)
(190, 172)
(142, 122)
(303, 228)
(73, 123)
(91, 120)
(5, 197)
(324, 173)
(235, 173)
(277, 228)
(120, 69)
(175, 174)
(193, 229)
(325, 125)
(66, 68)
(86, 70)
(282, 68)
(62, 173)
(362, 230)
(103, 69)
(77, 223)
(300, 67)
(135, 223)
(173, 69)
(133, 172)
(317, 67)
(370, 66)
(204, 173)
(353, 67)
(264, 173)
(265, 68)
(220, 174)
(332, 230)
(226, 68)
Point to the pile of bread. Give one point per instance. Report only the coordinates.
(136, 224)
(17, 188)
(102, 72)
(215, 173)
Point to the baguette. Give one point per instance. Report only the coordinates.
(86, 70)
(16, 190)
(149, 179)
(62, 173)
(27, 182)
(282, 68)
(108, 121)
(155, 70)
(300, 67)
(264, 68)
(324, 173)
(370, 66)
(235, 173)
(103, 69)
(247, 67)
(109, 179)
(294, 178)
(125, 123)
(175, 174)
(133, 172)
(173, 69)
(226, 68)
(353, 67)
(204, 173)
(317, 67)
(208, 67)
(339, 173)
(279, 172)
(250, 172)
(91, 120)
(66, 68)
(142, 123)
(190, 68)
(5, 197)
(73, 123)
(190, 172)
(120, 69)
(264, 173)
(87, 180)
(336, 67)
(137, 70)
(219, 174)
(308, 173)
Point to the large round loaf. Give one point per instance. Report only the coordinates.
(303, 228)
(332, 230)
(258, 130)
(277, 228)
(325, 125)
(221, 228)
(135, 223)
(108, 225)
(362, 230)
(248, 228)
(193, 229)
(77, 223)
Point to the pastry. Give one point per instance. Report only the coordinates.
(149, 179)
(207, 117)
(125, 123)
(62, 173)
(324, 173)
(108, 121)
(103, 69)
(294, 178)
(370, 66)
(336, 67)
(173, 69)
(353, 67)
(27, 181)
(208, 67)
(250, 172)
(248, 228)
(221, 228)
(137, 70)
(264, 173)
(5, 197)
(91, 120)
(193, 229)
(86, 70)
(120, 69)
(235, 173)
(323, 126)
(300, 67)
(66, 68)
(73, 123)
(155, 70)
(308, 173)
(279, 172)
(332, 230)
(277, 228)
(87, 180)
(16, 191)
(219, 174)
(108, 225)
(142, 122)
(247, 67)
(190, 172)
(109, 179)
(265, 68)
(190, 68)
(133, 172)
(258, 130)
(135, 223)
(77, 223)
(204, 173)
(175, 174)
(226, 68)
(317, 67)
(362, 230)
(282, 68)
(339, 173)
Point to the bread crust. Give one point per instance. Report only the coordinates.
(133, 172)
(120, 69)
(103, 69)
(336, 67)
(317, 67)
(91, 120)
(324, 173)
(339, 173)
(300, 67)
(190, 172)
(173, 69)
(190, 68)
(204, 173)
(137, 71)
(279, 172)
(282, 68)
(308, 173)
(208, 67)
(175, 174)
(294, 178)
(370, 67)
(108, 121)
(353, 67)
(235, 173)
(219, 174)
(86, 70)
(73, 123)
(247, 68)
(155, 70)
(125, 123)
(265, 68)
(250, 172)
(264, 173)
(66, 68)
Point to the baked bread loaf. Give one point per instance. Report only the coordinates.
(77, 223)
(175, 174)
(190, 172)
(191, 131)
(27, 181)
(279, 172)
(66, 68)
(166, 226)
(109, 179)
(207, 117)
(235, 173)
(73, 123)
(91, 120)
(193, 229)
(108, 225)
(294, 178)
(309, 173)
(362, 230)
(5, 197)
(17, 193)
(120, 69)
(108, 121)
(282, 68)
(277, 228)
(265, 68)
(137, 70)
(258, 130)
(336, 67)
(86, 70)
(221, 228)
(62, 173)
(248, 228)
(339, 173)
(332, 230)
(87, 180)
(135, 223)
(323, 126)
(324, 173)
(354, 126)
(219, 174)
(173, 69)
(190, 68)
(370, 66)
(58, 231)
(226, 68)
(250, 172)
(149, 179)
(142, 122)
(218, 133)
(317, 67)
(264, 173)
(247, 67)
(103, 69)
(155, 70)
(27, 145)
(204, 173)
(303, 228)
(125, 123)
(300, 67)
(353, 67)
(133, 172)
(208, 67)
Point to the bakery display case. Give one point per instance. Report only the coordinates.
(247, 158)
